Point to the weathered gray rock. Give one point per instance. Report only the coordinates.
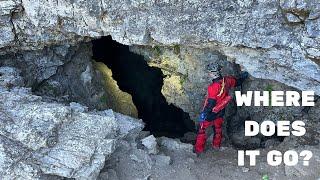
(129, 127)
(253, 33)
(300, 170)
(151, 144)
(67, 73)
(9, 77)
(162, 160)
(185, 80)
(7, 33)
(313, 53)
(81, 147)
(39, 138)
(235, 121)
(109, 175)
(189, 137)
(13, 161)
(143, 134)
(271, 143)
(129, 162)
(36, 66)
(276, 40)
(185, 84)
(78, 107)
(174, 144)
(239, 140)
(265, 44)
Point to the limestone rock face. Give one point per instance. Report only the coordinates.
(185, 79)
(174, 144)
(272, 39)
(151, 144)
(36, 66)
(63, 72)
(38, 138)
(312, 170)
(185, 85)
(67, 73)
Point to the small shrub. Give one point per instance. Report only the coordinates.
(270, 89)
(103, 99)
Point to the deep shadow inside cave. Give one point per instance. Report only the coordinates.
(144, 83)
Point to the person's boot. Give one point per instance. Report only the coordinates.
(197, 153)
(216, 142)
(200, 142)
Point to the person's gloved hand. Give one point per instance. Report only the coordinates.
(202, 117)
(244, 75)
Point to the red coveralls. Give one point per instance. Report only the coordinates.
(213, 93)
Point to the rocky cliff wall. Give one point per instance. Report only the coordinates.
(271, 39)
(277, 39)
(40, 139)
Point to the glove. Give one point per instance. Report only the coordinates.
(244, 75)
(202, 117)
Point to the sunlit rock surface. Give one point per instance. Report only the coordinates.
(275, 40)
(39, 138)
(115, 99)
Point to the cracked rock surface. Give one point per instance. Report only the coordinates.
(39, 138)
(272, 39)
(47, 40)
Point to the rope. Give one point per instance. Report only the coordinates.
(222, 88)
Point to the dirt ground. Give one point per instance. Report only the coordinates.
(133, 163)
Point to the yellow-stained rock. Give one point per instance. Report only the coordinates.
(115, 99)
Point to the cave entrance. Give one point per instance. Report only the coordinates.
(144, 83)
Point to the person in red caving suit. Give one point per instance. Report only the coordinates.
(214, 106)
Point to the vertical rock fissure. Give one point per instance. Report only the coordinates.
(144, 83)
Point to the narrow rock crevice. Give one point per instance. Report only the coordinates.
(18, 9)
(144, 83)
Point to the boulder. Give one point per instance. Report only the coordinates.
(150, 144)
(49, 139)
(162, 160)
(174, 144)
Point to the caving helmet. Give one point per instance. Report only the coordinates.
(214, 69)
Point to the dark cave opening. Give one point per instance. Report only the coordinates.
(144, 83)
